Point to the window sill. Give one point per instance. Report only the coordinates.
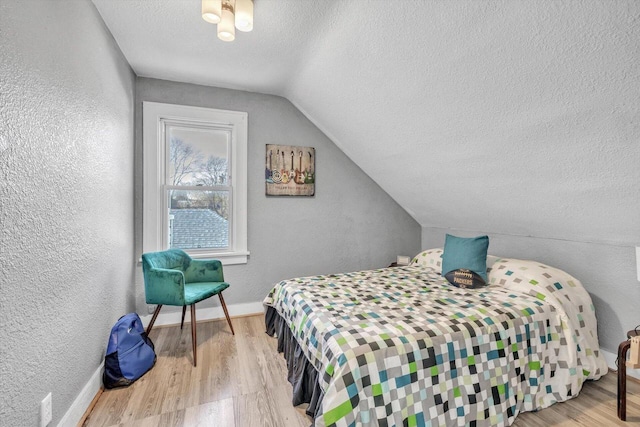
(227, 258)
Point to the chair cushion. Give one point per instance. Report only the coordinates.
(194, 292)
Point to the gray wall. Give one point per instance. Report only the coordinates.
(350, 224)
(607, 271)
(66, 201)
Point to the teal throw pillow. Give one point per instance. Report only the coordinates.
(465, 253)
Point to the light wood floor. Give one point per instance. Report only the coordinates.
(241, 381)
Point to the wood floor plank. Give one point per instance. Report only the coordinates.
(216, 376)
(245, 365)
(241, 381)
(166, 419)
(287, 414)
(219, 413)
(255, 410)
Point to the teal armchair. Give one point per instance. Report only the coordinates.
(172, 277)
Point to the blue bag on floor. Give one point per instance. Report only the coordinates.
(130, 353)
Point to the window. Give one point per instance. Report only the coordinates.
(195, 181)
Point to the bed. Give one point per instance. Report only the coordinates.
(402, 346)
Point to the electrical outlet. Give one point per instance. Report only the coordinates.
(46, 411)
(151, 308)
(403, 260)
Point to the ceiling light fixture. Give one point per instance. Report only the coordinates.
(229, 15)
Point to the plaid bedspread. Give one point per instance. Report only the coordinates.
(400, 346)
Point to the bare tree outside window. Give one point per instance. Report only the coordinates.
(184, 161)
(214, 171)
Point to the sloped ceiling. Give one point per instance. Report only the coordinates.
(514, 117)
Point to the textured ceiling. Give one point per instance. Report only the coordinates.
(168, 39)
(515, 117)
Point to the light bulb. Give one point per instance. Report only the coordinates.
(211, 10)
(226, 30)
(244, 15)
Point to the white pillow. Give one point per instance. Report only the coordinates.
(431, 258)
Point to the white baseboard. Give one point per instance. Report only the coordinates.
(89, 391)
(209, 313)
(84, 399)
(611, 362)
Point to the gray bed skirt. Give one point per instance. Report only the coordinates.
(302, 374)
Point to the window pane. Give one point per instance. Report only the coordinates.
(197, 156)
(198, 219)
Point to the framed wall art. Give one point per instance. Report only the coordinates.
(290, 170)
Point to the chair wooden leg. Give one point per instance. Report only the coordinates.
(226, 313)
(622, 379)
(184, 310)
(153, 318)
(193, 332)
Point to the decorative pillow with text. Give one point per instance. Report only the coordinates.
(464, 261)
(464, 278)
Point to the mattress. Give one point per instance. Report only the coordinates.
(401, 346)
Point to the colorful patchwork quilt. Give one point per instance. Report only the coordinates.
(402, 347)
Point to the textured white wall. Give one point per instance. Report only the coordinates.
(350, 224)
(512, 116)
(66, 209)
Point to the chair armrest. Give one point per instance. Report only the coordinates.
(204, 270)
(164, 286)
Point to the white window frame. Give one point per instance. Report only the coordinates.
(155, 220)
